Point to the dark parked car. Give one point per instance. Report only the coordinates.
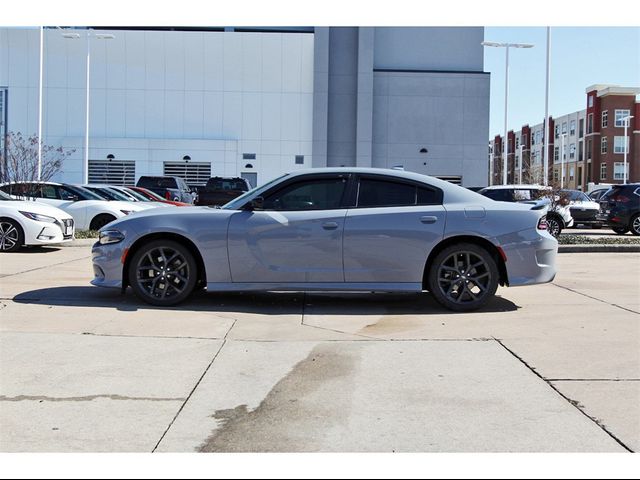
(596, 194)
(169, 188)
(221, 190)
(620, 208)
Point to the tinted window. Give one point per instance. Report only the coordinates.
(381, 193)
(65, 194)
(49, 191)
(157, 182)
(227, 184)
(428, 196)
(324, 194)
(502, 195)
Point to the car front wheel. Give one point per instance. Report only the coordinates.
(635, 225)
(163, 273)
(463, 277)
(11, 235)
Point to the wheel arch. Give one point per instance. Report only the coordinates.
(481, 242)
(176, 237)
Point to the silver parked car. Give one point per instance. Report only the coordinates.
(341, 229)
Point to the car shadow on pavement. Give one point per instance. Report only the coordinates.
(266, 303)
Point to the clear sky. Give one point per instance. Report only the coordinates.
(580, 56)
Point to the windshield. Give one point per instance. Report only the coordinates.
(4, 196)
(83, 193)
(576, 196)
(138, 196)
(251, 194)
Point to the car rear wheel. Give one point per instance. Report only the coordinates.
(635, 225)
(554, 226)
(620, 230)
(100, 221)
(463, 277)
(11, 235)
(163, 272)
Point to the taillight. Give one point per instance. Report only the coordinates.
(167, 195)
(542, 223)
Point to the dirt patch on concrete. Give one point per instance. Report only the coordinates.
(296, 411)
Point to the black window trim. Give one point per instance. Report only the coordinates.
(343, 204)
(393, 179)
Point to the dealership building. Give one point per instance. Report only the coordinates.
(251, 102)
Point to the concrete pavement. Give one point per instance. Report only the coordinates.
(552, 368)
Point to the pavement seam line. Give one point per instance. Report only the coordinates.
(569, 401)
(87, 398)
(206, 370)
(46, 266)
(596, 298)
(593, 379)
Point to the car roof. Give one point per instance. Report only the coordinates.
(531, 186)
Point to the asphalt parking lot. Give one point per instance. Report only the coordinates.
(548, 368)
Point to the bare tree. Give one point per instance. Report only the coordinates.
(21, 161)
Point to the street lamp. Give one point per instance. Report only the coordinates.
(627, 119)
(563, 136)
(100, 36)
(506, 46)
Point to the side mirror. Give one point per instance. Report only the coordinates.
(256, 204)
(74, 198)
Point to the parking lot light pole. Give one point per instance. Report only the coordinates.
(100, 36)
(627, 120)
(506, 46)
(564, 135)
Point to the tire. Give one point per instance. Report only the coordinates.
(163, 273)
(11, 235)
(554, 226)
(620, 230)
(635, 225)
(448, 278)
(100, 221)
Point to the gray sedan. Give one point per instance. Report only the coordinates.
(341, 229)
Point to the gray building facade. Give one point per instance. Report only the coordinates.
(411, 97)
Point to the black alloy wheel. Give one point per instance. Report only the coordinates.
(163, 273)
(463, 277)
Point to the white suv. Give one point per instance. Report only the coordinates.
(558, 217)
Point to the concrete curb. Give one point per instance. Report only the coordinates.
(80, 242)
(586, 248)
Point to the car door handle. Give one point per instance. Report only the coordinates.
(330, 225)
(428, 219)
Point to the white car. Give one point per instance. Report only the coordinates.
(31, 223)
(123, 193)
(583, 210)
(89, 211)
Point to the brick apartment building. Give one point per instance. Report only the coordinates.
(591, 143)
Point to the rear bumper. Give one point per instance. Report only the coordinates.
(531, 257)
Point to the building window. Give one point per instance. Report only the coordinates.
(618, 171)
(603, 171)
(564, 127)
(572, 150)
(557, 130)
(556, 154)
(620, 144)
(194, 173)
(517, 141)
(605, 119)
(571, 173)
(112, 172)
(299, 159)
(572, 128)
(603, 145)
(581, 132)
(248, 156)
(621, 116)
(589, 149)
(590, 101)
(556, 176)
(590, 123)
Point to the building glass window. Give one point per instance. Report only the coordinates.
(299, 159)
(605, 119)
(572, 128)
(572, 150)
(248, 156)
(621, 115)
(581, 132)
(590, 101)
(603, 145)
(603, 171)
(590, 123)
(618, 171)
(557, 130)
(620, 144)
(564, 127)
(589, 149)
(571, 173)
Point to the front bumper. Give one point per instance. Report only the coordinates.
(46, 233)
(107, 265)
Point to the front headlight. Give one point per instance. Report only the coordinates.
(110, 236)
(38, 217)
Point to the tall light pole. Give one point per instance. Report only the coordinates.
(520, 163)
(545, 149)
(100, 36)
(506, 46)
(627, 120)
(564, 135)
(40, 89)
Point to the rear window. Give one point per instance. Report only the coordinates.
(385, 193)
(227, 184)
(157, 182)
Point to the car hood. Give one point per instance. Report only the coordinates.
(36, 207)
